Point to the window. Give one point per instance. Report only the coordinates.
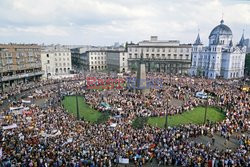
(47, 55)
(47, 61)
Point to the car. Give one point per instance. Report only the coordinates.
(201, 95)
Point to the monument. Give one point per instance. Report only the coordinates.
(141, 80)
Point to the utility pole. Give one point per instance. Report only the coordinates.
(77, 107)
(205, 117)
(166, 121)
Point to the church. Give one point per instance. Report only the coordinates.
(220, 58)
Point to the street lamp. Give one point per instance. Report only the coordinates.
(205, 116)
(166, 120)
(77, 106)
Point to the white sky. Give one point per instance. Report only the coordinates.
(103, 22)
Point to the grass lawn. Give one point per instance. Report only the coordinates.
(85, 111)
(196, 116)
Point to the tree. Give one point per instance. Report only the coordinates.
(247, 65)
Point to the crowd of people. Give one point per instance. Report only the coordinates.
(50, 136)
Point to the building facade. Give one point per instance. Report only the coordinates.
(93, 58)
(56, 60)
(220, 58)
(117, 61)
(19, 63)
(161, 56)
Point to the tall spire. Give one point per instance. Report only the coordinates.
(198, 40)
(242, 40)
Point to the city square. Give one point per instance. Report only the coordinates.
(149, 103)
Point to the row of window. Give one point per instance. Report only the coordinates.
(97, 58)
(60, 54)
(62, 59)
(161, 49)
(97, 62)
(158, 56)
(60, 70)
(97, 53)
(60, 64)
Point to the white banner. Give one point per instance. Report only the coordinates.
(26, 101)
(124, 160)
(10, 127)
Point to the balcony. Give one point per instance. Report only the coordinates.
(20, 76)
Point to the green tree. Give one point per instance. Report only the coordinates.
(247, 64)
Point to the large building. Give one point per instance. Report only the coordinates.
(56, 60)
(117, 61)
(220, 58)
(161, 56)
(93, 58)
(19, 63)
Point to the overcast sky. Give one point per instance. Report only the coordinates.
(103, 22)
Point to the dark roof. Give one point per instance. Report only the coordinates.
(221, 29)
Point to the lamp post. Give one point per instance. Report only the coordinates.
(205, 116)
(77, 106)
(166, 120)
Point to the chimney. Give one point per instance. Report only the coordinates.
(153, 38)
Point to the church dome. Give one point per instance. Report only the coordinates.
(221, 29)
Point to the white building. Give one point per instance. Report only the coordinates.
(56, 60)
(117, 61)
(95, 60)
(220, 58)
(161, 55)
(91, 58)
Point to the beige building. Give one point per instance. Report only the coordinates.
(19, 63)
(56, 60)
(117, 61)
(161, 55)
(93, 58)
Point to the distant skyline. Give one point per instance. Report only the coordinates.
(104, 22)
